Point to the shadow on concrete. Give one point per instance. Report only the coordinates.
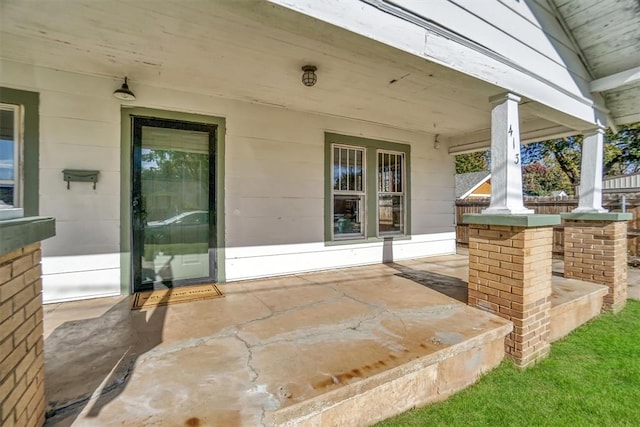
(452, 287)
(87, 367)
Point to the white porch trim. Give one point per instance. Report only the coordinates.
(616, 80)
(506, 169)
(590, 193)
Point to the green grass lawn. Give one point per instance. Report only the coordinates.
(591, 378)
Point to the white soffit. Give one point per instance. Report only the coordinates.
(607, 33)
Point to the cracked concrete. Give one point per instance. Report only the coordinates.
(268, 351)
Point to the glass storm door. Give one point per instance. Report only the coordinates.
(173, 200)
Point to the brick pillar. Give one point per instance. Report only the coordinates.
(22, 400)
(510, 276)
(595, 250)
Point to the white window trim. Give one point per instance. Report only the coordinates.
(362, 194)
(392, 193)
(17, 152)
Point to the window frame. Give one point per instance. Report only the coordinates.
(29, 103)
(362, 194)
(371, 147)
(379, 192)
(17, 180)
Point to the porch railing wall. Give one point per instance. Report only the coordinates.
(555, 205)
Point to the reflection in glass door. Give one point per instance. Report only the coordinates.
(173, 201)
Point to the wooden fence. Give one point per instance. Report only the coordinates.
(554, 205)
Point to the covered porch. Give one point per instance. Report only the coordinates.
(348, 346)
(341, 347)
(238, 65)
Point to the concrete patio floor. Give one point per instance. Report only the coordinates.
(270, 352)
(633, 282)
(277, 351)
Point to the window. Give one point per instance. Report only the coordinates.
(10, 155)
(19, 152)
(366, 188)
(348, 192)
(390, 193)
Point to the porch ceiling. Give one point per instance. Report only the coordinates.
(251, 51)
(608, 34)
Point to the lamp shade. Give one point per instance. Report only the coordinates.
(124, 93)
(309, 77)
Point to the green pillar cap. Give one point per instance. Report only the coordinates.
(532, 220)
(597, 216)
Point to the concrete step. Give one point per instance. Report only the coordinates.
(421, 381)
(573, 303)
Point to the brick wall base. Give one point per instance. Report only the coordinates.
(22, 400)
(596, 251)
(510, 276)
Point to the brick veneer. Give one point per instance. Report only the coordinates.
(596, 251)
(22, 401)
(510, 275)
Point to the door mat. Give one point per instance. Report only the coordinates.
(174, 295)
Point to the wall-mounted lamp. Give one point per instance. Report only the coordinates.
(124, 93)
(436, 143)
(309, 77)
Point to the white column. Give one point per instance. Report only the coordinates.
(590, 193)
(506, 168)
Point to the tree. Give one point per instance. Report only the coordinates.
(560, 160)
(621, 153)
(622, 150)
(472, 162)
(540, 180)
(567, 153)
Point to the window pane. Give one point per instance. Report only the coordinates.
(343, 169)
(381, 173)
(175, 192)
(390, 172)
(398, 174)
(7, 156)
(336, 168)
(358, 171)
(347, 215)
(8, 167)
(7, 145)
(6, 194)
(347, 169)
(390, 214)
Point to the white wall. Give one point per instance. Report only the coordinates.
(275, 194)
(79, 129)
(274, 183)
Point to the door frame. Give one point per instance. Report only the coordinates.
(126, 187)
(137, 248)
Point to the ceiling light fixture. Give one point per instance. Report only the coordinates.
(309, 77)
(124, 93)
